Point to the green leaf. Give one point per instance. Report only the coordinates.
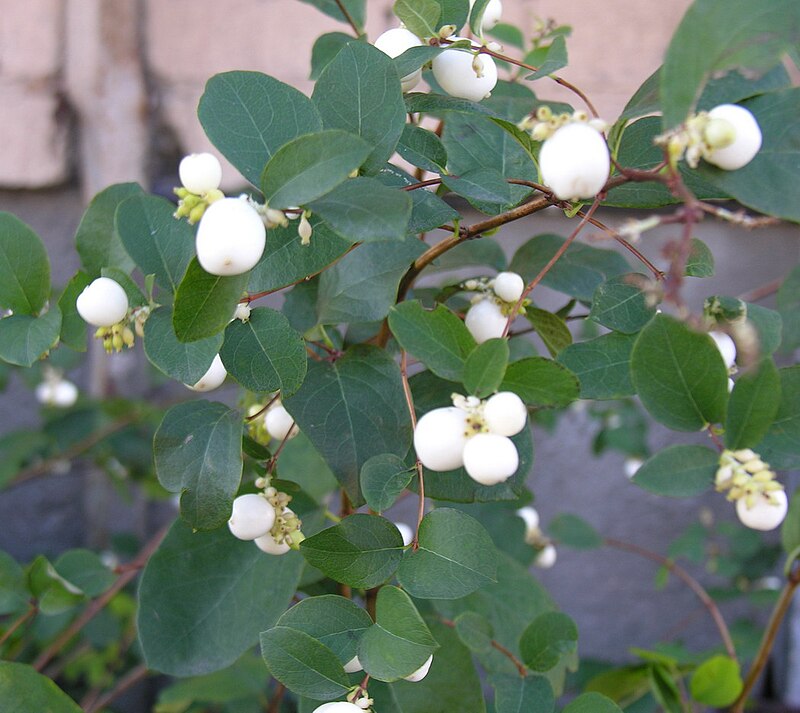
(474, 630)
(454, 12)
(438, 338)
(310, 166)
(362, 286)
(717, 682)
(767, 183)
(547, 639)
(768, 324)
(325, 48)
(415, 58)
(353, 409)
(355, 8)
(483, 252)
(85, 570)
(399, 642)
(602, 365)
(623, 303)
(664, 688)
(73, 327)
(158, 243)
(573, 531)
(712, 38)
(552, 330)
(248, 116)
(383, 478)
(484, 188)
(700, 262)
(23, 689)
(205, 303)
(359, 92)
(14, 594)
(788, 305)
(781, 446)
(361, 551)
(197, 451)
(419, 16)
(679, 375)
(24, 267)
(679, 471)
(265, 353)
(302, 664)
(455, 557)
(186, 629)
(476, 16)
(752, 405)
(334, 621)
(54, 593)
(554, 59)
(422, 148)
(436, 104)
(184, 361)
(96, 240)
(592, 703)
(364, 210)
(790, 530)
(485, 367)
(541, 382)
(25, 339)
(513, 694)
(577, 273)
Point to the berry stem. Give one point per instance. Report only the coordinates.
(687, 579)
(263, 410)
(412, 414)
(349, 18)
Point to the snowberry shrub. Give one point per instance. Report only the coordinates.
(380, 379)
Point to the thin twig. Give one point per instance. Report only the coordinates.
(32, 611)
(275, 701)
(502, 649)
(413, 415)
(130, 679)
(687, 579)
(759, 293)
(657, 274)
(263, 410)
(349, 18)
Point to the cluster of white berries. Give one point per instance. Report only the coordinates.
(534, 536)
(55, 390)
(728, 136)
(761, 501)
(275, 422)
(490, 309)
(473, 434)
(265, 519)
(104, 304)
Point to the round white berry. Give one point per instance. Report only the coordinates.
(726, 346)
(103, 303)
(490, 459)
(485, 320)
(505, 414)
(631, 466)
(509, 286)
(530, 516)
(747, 139)
(353, 665)
(338, 707)
(230, 238)
(62, 393)
(213, 378)
(491, 15)
(546, 557)
(393, 43)
(252, 517)
(279, 424)
(439, 438)
(200, 173)
(574, 162)
(266, 543)
(405, 532)
(421, 672)
(457, 72)
(764, 515)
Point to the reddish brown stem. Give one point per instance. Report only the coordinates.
(759, 293)
(412, 414)
(502, 649)
(34, 609)
(277, 698)
(657, 274)
(423, 184)
(349, 18)
(263, 410)
(128, 681)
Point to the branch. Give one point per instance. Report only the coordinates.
(759, 293)
(687, 579)
(502, 649)
(32, 611)
(349, 18)
(130, 679)
(413, 415)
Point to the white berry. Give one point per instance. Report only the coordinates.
(393, 43)
(491, 14)
(726, 346)
(546, 557)
(464, 74)
(505, 414)
(764, 515)
(421, 672)
(252, 517)
(509, 286)
(242, 311)
(485, 320)
(338, 707)
(747, 139)
(213, 378)
(266, 543)
(353, 665)
(200, 173)
(405, 532)
(530, 516)
(490, 459)
(230, 238)
(279, 424)
(439, 438)
(103, 303)
(62, 393)
(631, 466)
(575, 162)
